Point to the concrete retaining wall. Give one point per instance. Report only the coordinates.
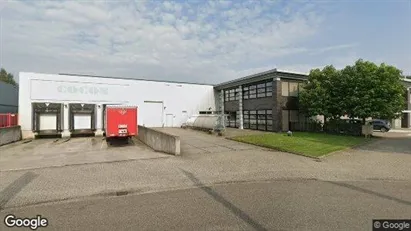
(159, 141)
(10, 135)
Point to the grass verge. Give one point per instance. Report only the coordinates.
(303, 143)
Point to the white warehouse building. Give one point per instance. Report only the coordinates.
(68, 103)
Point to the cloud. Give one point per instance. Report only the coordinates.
(208, 42)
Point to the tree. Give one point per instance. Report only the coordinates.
(360, 91)
(7, 77)
(372, 90)
(319, 96)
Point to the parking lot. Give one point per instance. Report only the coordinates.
(197, 142)
(40, 153)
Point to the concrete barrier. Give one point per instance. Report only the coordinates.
(10, 135)
(159, 141)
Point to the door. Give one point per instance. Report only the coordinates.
(169, 120)
(48, 122)
(152, 114)
(184, 117)
(82, 121)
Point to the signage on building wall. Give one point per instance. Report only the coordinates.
(83, 90)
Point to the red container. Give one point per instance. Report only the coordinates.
(121, 121)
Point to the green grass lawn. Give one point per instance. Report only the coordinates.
(303, 143)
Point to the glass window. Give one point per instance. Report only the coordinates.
(261, 85)
(253, 112)
(269, 127)
(293, 89)
(284, 88)
(253, 96)
(261, 127)
(245, 93)
(252, 87)
(269, 91)
(269, 84)
(260, 90)
(261, 121)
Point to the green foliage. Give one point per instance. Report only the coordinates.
(303, 143)
(7, 77)
(359, 91)
(319, 95)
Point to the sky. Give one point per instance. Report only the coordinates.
(201, 41)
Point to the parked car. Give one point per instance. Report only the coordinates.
(381, 125)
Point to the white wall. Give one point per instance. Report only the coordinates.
(35, 87)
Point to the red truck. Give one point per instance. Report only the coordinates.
(120, 122)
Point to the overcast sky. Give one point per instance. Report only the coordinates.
(201, 41)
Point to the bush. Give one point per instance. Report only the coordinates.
(344, 127)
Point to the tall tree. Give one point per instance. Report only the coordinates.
(7, 77)
(320, 96)
(372, 90)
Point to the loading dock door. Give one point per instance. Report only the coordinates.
(48, 122)
(152, 113)
(82, 121)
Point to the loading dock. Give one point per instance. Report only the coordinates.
(47, 118)
(82, 118)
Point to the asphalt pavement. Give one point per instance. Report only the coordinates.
(269, 205)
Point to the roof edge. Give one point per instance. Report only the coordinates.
(115, 77)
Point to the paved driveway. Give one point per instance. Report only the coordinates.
(198, 142)
(60, 152)
(390, 142)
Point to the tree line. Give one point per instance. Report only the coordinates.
(7, 77)
(362, 90)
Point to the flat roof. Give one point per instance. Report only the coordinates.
(273, 73)
(129, 78)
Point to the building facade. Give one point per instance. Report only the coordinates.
(405, 120)
(8, 98)
(71, 102)
(266, 101)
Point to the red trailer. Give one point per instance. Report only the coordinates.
(120, 122)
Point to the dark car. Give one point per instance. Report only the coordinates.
(381, 125)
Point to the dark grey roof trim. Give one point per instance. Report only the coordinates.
(128, 78)
(260, 77)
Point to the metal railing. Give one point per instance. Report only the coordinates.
(8, 120)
